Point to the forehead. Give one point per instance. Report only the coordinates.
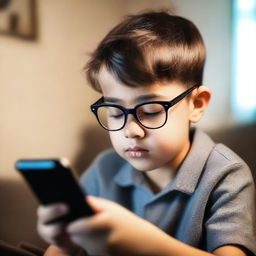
(112, 87)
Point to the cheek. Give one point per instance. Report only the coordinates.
(166, 138)
(116, 140)
(175, 132)
(178, 121)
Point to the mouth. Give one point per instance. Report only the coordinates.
(136, 152)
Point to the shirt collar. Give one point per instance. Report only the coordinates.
(191, 169)
(188, 174)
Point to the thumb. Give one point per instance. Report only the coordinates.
(99, 204)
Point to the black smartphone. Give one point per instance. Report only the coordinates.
(52, 181)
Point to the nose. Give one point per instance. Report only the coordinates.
(133, 129)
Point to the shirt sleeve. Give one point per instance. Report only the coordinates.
(231, 219)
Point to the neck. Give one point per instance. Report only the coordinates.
(159, 178)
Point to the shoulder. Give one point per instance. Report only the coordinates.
(227, 176)
(226, 155)
(215, 164)
(216, 158)
(231, 198)
(222, 160)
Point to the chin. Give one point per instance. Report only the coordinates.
(142, 166)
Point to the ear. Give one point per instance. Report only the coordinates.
(198, 103)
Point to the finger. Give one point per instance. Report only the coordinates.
(94, 203)
(50, 233)
(47, 213)
(98, 222)
(100, 204)
(95, 244)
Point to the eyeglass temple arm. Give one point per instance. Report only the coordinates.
(99, 101)
(183, 95)
(173, 102)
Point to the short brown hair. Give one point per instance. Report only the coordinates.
(148, 48)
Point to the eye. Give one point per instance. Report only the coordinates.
(116, 116)
(115, 113)
(152, 113)
(150, 110)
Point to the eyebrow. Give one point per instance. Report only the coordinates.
(141, 98)
(111, 99)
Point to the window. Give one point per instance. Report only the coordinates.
(244, 61)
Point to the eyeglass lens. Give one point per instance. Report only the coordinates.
(150, 115)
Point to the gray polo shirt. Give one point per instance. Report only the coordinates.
(209, 203)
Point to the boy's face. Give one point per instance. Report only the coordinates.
(149, 149)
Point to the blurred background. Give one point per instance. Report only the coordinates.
(45, 99)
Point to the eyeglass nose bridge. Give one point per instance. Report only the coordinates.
(131, 111)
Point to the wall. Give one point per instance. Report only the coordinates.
(213, 19)
(44, 98)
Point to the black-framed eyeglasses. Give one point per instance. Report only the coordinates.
(151, 115)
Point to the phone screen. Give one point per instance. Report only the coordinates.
(52, 181)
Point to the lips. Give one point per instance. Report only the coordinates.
(136, 152)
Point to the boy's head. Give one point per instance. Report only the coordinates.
(145, 68)
(150, 48)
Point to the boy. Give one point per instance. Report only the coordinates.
(189, 195)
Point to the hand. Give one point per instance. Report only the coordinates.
(55, 234)
(116, 231)
(112, 230)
